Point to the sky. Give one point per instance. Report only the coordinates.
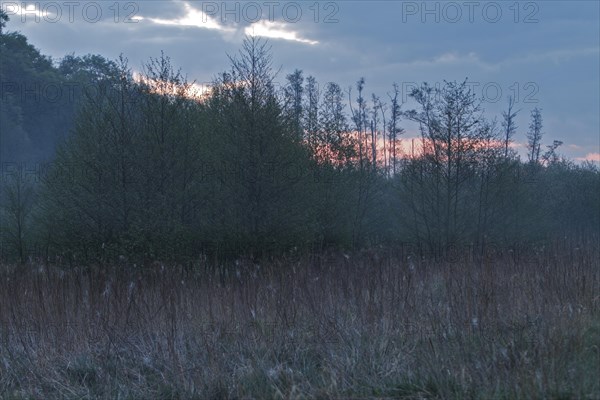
(546, 54)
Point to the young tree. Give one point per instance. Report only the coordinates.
(311, 115)
(260, 205)
(359, 117)
(394, 130)
(169, 155)
(336, 143)
(16, 207)
(488, 173)
(534, 136)
(365, 178)
(509, 126)
(450, 122)
(383, 108)
(550, 156)
(334, 153)
(375, 127)
(121, 181)
(293, 102)
(88, 194)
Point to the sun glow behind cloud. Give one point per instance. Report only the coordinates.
(192, 18)
(195, 18)
(275, 30)
(594, 157)
(192, 90)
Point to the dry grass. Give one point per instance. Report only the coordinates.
(322, 327)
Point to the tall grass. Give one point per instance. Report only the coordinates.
(325, 326)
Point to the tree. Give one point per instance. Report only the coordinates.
(3, 20)
(169, 158)
(365, 178)
(534, 136)
(336, 145)
(311, 115)
(508, 124)
(32, 120)
(451, 125)
(359, 117)
(16, 207)
(375, 127)
(258, 205)
(488, 173)
(88, 192)
(293, 95)
(550, 157)
(394, 129)
(335, 154)
(382, 107)
(121, 181)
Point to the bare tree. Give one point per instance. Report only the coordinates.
(394, 129)
(359, 117)
(550, 156)
(382, 108)
(508, 124)
(374, 127)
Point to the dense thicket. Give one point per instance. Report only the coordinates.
(148, 171)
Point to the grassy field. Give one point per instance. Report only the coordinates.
(333, 326)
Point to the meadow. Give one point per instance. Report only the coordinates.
(371, 324)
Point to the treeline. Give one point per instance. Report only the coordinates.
(149, 172)
(39, 97)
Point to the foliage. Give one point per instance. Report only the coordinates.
(144, 171)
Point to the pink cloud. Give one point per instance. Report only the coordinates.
(590, 157)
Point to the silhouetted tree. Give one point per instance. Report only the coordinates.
(534, 136)
(393, 129)
(293, 106)
(508, 124)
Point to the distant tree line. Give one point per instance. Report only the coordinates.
(143, 170)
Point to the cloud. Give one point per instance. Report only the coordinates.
(590, 157)
(199, 19)
(192, 18)
(556, 56)
(275, 30)
(450, 59)
(26, 11)
(473, 59)
(517, 145)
